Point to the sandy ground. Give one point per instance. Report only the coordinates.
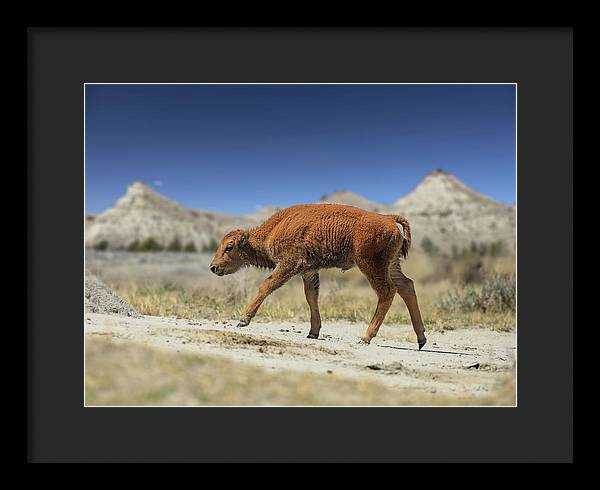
(462, 362)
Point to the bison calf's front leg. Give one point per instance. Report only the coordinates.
(244, 321)
(385, 298)
(279, 277)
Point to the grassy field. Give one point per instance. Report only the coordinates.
(453, 293)
(166, 361)
(120, 372)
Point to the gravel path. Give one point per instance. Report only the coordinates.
(461, 362)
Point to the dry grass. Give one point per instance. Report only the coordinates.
(344, 296)
(182, 286)
(496, 294)
(120, 372)
(352, 304)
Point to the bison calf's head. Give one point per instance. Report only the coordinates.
(228, 258)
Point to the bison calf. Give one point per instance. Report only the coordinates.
(303, 239)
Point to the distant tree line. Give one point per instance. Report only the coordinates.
(475, 249)
(152, 245)
(494, 249)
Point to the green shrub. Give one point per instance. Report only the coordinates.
(150, 245)
(134, 246)
(175, 245)
(429, 247)
(102, 245)
(496, 294)
(497, 249)
(190, 247)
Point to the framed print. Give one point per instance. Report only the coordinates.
(336, 235)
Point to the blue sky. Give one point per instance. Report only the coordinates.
(234, 148)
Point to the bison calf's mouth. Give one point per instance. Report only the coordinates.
(217, 270)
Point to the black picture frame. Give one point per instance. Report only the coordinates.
(60, 429)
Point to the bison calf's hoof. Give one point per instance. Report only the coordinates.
(422, 342)
(312, 336)
(244, 322)
(364, 340)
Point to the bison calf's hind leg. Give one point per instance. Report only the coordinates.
(311, 291)
(379, 279)
(406, 290)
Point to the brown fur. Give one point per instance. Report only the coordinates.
(303, 239)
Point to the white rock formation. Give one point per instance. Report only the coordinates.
(143, 213)
(441, 208)
(447, 212)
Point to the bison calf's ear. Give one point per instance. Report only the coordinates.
(244, 238)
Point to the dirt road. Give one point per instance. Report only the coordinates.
(462, 363)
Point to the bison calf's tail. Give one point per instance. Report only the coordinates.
(406, 234)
